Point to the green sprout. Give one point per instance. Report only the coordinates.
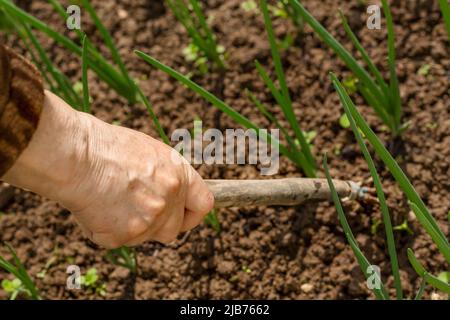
(204, 46)
(350, 84)
(212, 220)
(14, 287)
(309, 137)
(246, 269)
(424, 69)
(278, 10)
(285, 43)
(283, 9)
(444, 276)
(41, 274)
(375, 224)
(404, 227)
(91, 281)
(344, 122)
(249, 5)
(124, 257)
(192, 53)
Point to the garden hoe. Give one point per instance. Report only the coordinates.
(283, 192)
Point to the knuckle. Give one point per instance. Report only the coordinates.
(107, 241)
(113, 245)
(136, 229)
(116, 243)
(173, 184)
(159, 207)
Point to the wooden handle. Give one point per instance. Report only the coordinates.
(286, 192)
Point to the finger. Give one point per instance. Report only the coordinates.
(138, 231)
(106, 240)
(191, 220)
(170, 230)
(86, 232)
(199, 198)
(139, 240)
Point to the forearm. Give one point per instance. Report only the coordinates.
(49, 161)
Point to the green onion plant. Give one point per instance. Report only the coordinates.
(361, 129)
(212, 220)
(297, 148)
(123, 256)
(299, 145)
(22, 283)
(203, 46)
(118, 79)
(382, 96)
(286, 10)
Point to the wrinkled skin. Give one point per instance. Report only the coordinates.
(122, 186)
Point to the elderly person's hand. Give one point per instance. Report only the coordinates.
(123, 186)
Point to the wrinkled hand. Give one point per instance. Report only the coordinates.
(122, 186)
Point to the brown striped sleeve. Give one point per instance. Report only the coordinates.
(21, 101)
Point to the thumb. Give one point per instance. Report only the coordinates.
(199, 200)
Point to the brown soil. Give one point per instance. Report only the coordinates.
(262, 253)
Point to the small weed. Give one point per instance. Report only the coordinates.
(193, 54)
(444, 276)
(404, 227)
(246, 269)
(344, 122)
(17, 269)
(285, 43)
(123, 256)
(14, 287)
(375, 224)
(351, 84)
(424, 70)
(309, 137)
(204, 46)
(91, 281)
(212, 220)
(283, 9)
(249, 5)
(41, 274)
(278, 10)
